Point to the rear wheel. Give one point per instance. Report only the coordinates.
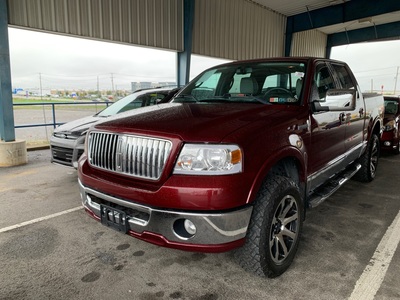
(369, 161)
(274, 231)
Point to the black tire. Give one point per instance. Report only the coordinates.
(369, 161)
(274, 230)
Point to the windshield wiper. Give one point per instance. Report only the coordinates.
(187, 96)
(216, 99)
(263, 101)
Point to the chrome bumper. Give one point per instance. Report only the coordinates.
(211, 228)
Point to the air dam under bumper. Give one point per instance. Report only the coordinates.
(214, 232)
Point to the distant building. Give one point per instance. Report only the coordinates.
(135, 86)
(167, 84)
(145, 85)
(148, 85)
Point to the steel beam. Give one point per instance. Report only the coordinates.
(379, 32)
(341, 13)
(7, 131)
(183, 58)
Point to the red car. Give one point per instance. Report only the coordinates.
(391, 136)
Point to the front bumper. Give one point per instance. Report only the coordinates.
(66, 151)
(215, 232)
(389, 141)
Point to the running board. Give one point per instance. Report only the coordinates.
(326, 190)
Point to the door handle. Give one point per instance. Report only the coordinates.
(342, 117)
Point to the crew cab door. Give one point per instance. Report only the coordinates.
(354, 118)
(327, 130)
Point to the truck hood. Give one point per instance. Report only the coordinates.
(78, 126)
(389, 117)
(197, 122)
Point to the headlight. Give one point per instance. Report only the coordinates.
(389, 126)
(209, 160)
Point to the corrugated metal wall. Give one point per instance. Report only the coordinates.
(237, 29)
(231, 29)
(153, 23)
(309, 43)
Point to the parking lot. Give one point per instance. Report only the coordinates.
(50, 249)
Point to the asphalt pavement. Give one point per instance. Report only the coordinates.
(51, 249)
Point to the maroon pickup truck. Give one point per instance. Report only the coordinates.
(391, 136)
(235, 159)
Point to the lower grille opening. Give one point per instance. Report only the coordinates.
(63, 154)
(130, 212)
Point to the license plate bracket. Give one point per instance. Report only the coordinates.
(113, 218)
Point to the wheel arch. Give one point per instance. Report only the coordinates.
(290, 163)
(375, 126)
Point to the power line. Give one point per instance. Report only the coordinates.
(373, 70)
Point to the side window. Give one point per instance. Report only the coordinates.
(207, 88)
(237, 79)
(153, 99)
(344, 77)
(323, 80)
(270, 82)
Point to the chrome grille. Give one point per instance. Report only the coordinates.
(128, 154)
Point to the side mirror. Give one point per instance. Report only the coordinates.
(316, 106)
(337, 100)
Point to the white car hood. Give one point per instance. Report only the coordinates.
(79, 125)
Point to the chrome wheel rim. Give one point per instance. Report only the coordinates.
(374, 159)
(284, 229)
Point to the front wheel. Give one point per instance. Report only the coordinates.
(274, 230)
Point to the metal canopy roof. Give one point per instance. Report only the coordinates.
(290, 7)
(344, 21)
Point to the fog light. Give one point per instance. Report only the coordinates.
(184, 229)
(190, 227)
(387, 143)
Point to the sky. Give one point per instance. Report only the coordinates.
(61, 62)
(375, 64)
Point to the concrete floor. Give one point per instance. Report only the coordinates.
(50, 249)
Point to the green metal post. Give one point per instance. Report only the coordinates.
(183, 60)
(7, 131)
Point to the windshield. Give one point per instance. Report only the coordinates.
(391, 107)
(133, 101)
(263, 82)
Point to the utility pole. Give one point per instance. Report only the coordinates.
(395, 81)
(40, 82)
(98, 90)
(43, 110)
(112, 82)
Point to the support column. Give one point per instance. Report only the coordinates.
(288, 36)
(183, 58)
(12, 152)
